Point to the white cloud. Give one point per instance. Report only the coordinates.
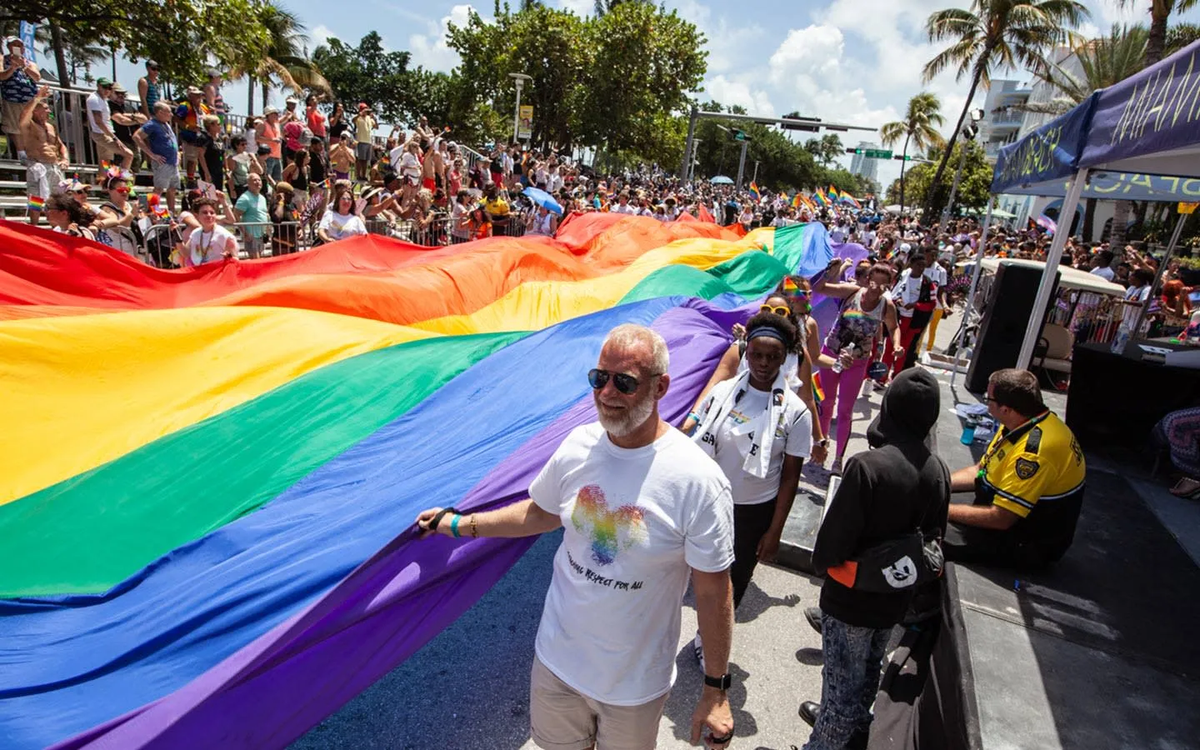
(429, 50)
(808, 53)
(320, 34)
(729, 92)
(578, 7)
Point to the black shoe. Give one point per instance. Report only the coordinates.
(813, 615)
(810, 712)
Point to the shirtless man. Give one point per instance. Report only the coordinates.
(433, 170)
(46, 153)
(342, 157)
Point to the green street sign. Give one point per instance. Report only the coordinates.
(870, 153)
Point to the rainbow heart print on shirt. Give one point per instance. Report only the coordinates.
(611, 531)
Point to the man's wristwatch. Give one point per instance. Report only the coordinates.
(823, 442)
(720, 683)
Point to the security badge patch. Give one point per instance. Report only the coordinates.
(1026, 468)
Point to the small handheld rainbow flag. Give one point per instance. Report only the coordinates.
(798, 200)
(36, 203)
(820, 197)
(818, 391)
(754, 190)
(833, 193)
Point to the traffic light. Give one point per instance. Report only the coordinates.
(970, 131)
(807, 124)
(855, 151)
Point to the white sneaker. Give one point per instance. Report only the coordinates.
(698, 650)
(837, 466)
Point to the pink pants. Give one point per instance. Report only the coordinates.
(841, 391)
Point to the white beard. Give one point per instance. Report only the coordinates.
(634, 417)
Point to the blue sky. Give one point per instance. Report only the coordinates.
(854, 61)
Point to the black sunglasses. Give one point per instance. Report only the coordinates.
(626, 384)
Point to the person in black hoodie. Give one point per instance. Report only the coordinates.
(887, 492)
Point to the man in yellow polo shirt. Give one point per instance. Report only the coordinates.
(1028, 485)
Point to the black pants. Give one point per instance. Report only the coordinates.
(750, 524)
(967, 544)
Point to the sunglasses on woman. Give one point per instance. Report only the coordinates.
(626, 384)
(780, 311)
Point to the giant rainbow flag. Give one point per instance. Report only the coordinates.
(209, 476)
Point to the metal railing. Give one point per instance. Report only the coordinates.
(1092, 318)
(163, 240)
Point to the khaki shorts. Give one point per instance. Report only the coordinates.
(563, 719)
(107, 146)
(10, 116)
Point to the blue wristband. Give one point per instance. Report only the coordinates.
(454, 526)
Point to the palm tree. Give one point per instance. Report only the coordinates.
(1179, 36)
(994, 34)
(285, 60)
(920, 125)
(1102, 63)
(1160, 12)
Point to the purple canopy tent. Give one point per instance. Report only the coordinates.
(1136, 140)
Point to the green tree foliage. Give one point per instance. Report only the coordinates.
(284, 61)
(973, 190)
(368, 73)
(1158, 39)
(179, 34)
(644, 61)
(615, 81)
(782, 164)
(540, 42)
(919, 127)
(826, 149)
(993, 35)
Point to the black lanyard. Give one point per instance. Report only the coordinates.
(1010, 437)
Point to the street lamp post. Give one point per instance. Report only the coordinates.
(519, 79)
(970, 132)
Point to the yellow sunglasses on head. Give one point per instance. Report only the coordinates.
(781, 311)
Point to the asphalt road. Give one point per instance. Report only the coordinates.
(469, 687)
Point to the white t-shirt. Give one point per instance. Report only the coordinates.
(396, 155)
(97, 103)
(906, 292)
(1130, 315)
(793, 437)
(208, 247)
(628, 208)
(410, 165)
(936, 274)
(636, 521)
(339, 226)
(837, 235)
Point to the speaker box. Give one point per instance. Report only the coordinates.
(1005, 317)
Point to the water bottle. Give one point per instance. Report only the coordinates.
(837, 362)
(968, 433)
